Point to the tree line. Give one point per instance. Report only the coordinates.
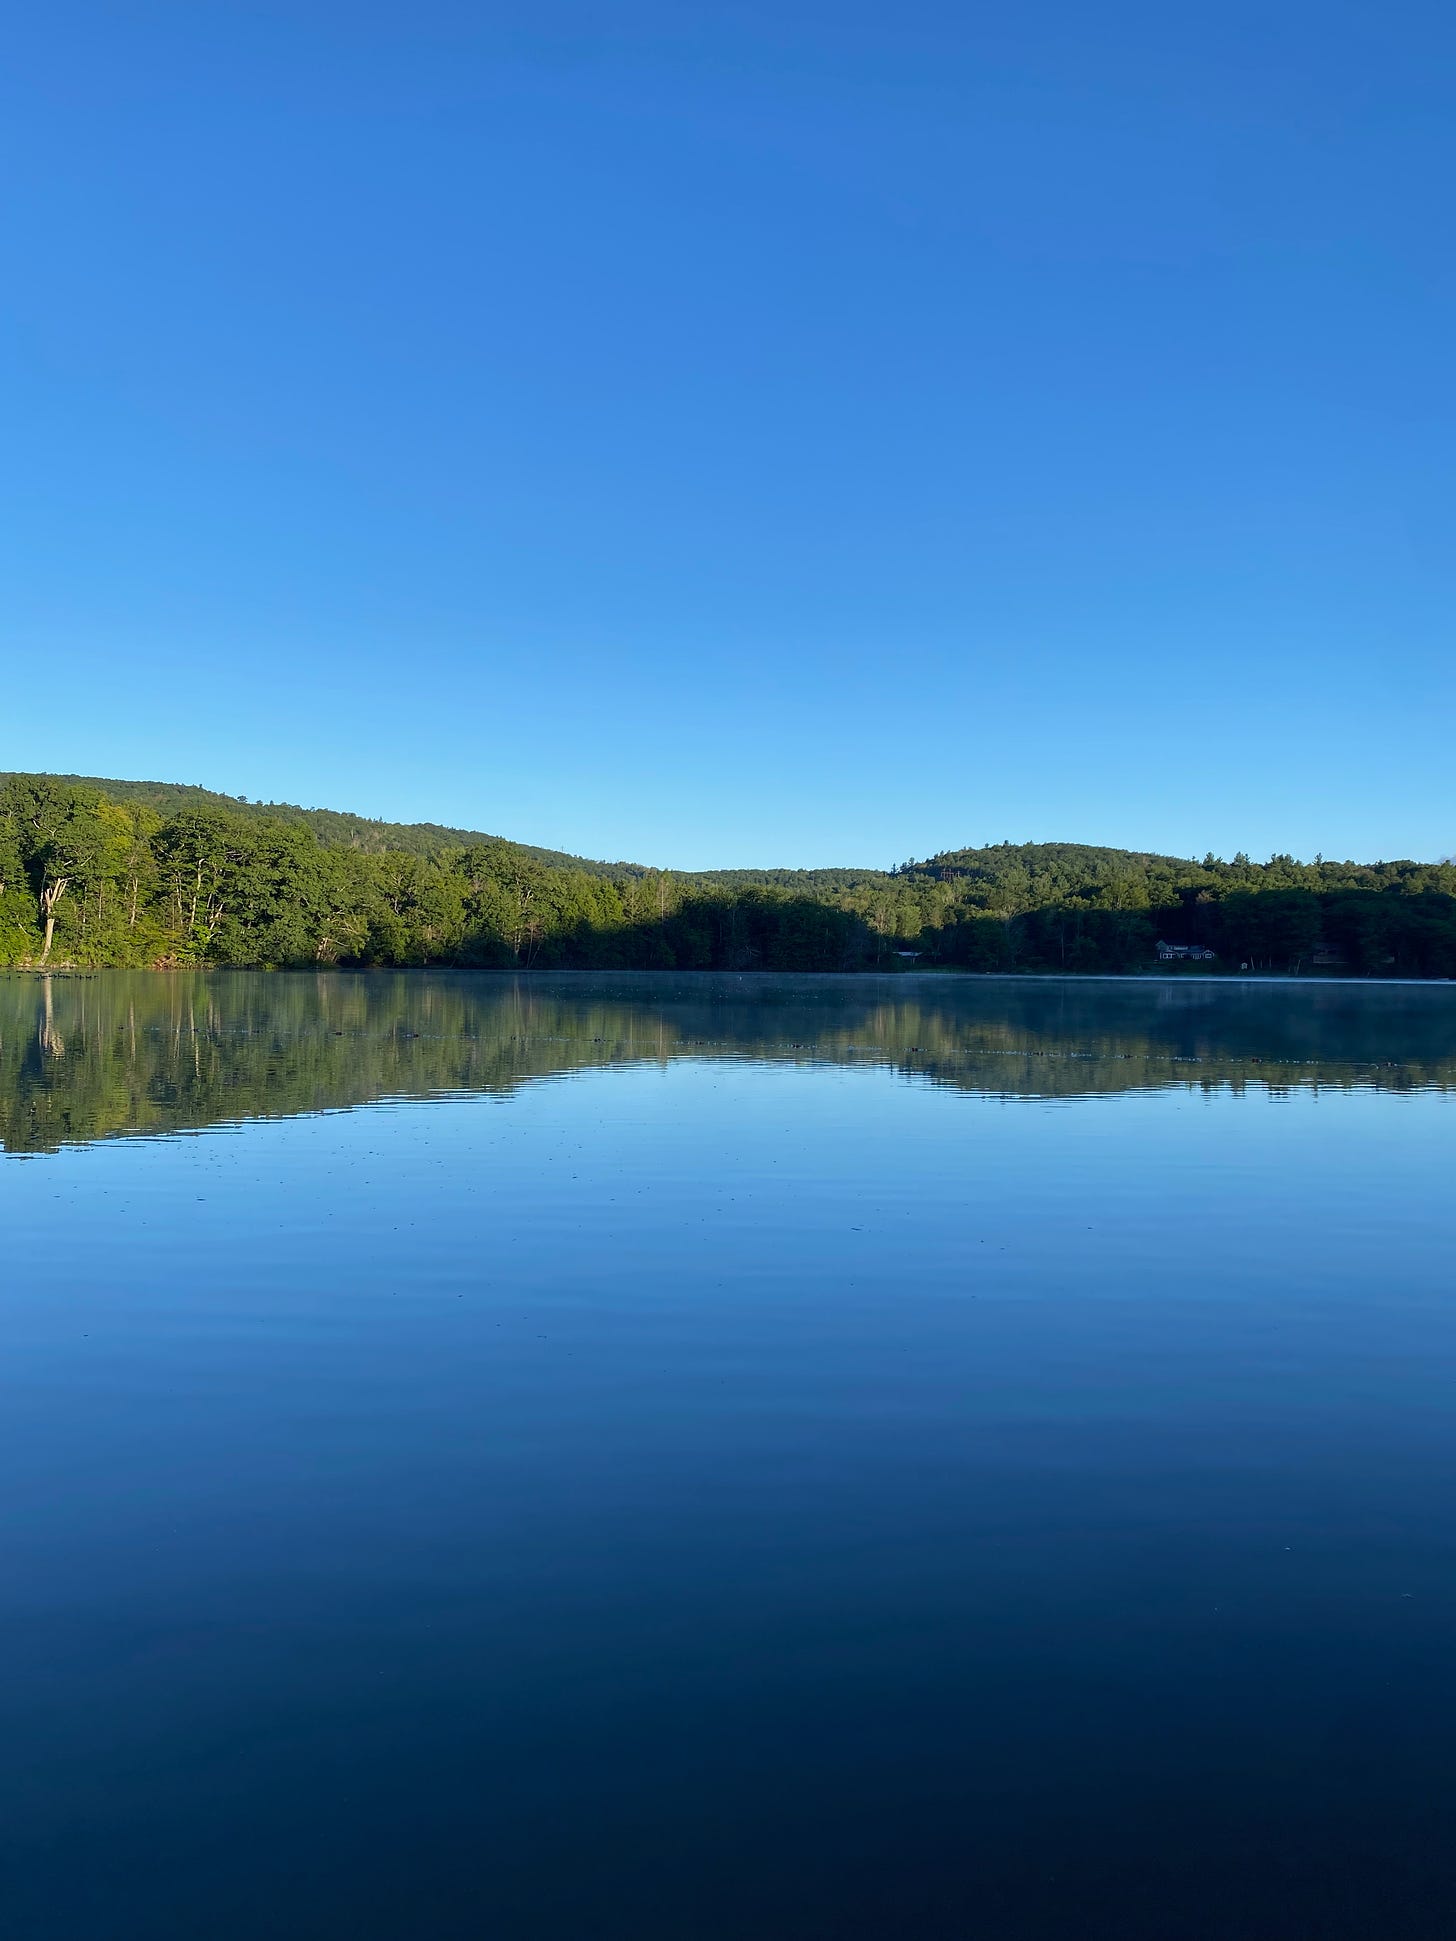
(93, 879)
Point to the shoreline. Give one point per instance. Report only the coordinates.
(944, 975)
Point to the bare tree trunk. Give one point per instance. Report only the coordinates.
(50, 896)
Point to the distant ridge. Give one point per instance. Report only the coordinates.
(334, 828)
(372, 836)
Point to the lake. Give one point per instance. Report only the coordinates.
(687, 1458)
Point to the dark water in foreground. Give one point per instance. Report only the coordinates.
(681, 1459)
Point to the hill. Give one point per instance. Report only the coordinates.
(99, 873)
(334, 828)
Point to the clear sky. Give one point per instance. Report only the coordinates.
(755, 433)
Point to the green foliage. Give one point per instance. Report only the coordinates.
(145, 874)
(333, 828)
(19, 931)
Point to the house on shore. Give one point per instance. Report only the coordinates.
(1185, 953)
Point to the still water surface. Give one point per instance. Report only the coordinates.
(681, 1459)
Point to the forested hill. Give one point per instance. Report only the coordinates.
(334, 828)
(99, 874)
(1029, 875)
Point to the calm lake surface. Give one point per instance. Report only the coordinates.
(693, 1458)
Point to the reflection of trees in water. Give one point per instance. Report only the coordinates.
(51, 1040)
(87, 1057)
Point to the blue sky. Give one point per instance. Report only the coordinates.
(757, 433)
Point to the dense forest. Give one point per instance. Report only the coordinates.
(96, 874)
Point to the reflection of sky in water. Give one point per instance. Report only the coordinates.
(720, 1495)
